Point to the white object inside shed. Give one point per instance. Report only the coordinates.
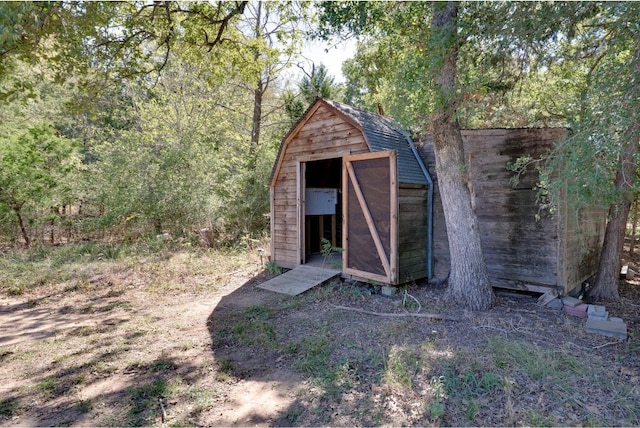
(320, 201)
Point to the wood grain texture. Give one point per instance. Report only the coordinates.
(521, 243)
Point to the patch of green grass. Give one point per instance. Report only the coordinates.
(144, 408)
(84, 406)
(47, 386)
(347, 374)
(273, 268)
(537, 420)
(355, 291)
(254, 327)
(256, 332)
(470, 381)
(163, 365)
(436, 410)
(103, 367)
(159, 365)
(182, 423)
(25, 270)
(537, 363)
(10, 407)
(201, 398)
(225, 370)
(402, 364)
(314, 355)
(292, 416)
(258, 312)
(471, 410)
(397, 328)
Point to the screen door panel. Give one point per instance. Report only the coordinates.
(370, 216)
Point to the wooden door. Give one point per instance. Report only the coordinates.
(370, 216)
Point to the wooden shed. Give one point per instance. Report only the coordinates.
(525, 248)
(355, 179)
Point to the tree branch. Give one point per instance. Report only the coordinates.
(402, 314)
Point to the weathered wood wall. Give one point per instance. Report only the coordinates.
(523, 246)
(412, 232)
(519, 246)
(325, 134)
(581, 244)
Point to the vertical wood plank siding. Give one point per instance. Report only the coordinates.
(523, 246)
(412, 232)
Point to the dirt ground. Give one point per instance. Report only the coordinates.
(116, 349)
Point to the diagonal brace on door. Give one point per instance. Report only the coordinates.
(370, 223)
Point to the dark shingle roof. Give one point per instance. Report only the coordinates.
(382, 134)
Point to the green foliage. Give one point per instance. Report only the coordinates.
(602, 111)
(519, 64)
(318, 84)
(115, 39)
(313, 353)
(294, 107)
(144, 398)
(273, 268)
(401, 367)
(469, 382)
(36, 168)
(161, 106)
(537, 364)
(45, 385)
(177, 166)
(328, 251)
(436, 409)
(255, 327)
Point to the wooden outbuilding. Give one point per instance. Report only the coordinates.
(525, 248)
(355, 180)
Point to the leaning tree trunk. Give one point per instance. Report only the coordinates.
(606, 283)
(23, 229)
(469, 283)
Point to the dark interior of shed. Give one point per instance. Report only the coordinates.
(323, 175)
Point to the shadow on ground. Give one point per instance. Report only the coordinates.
(74, 357)
(307, 362)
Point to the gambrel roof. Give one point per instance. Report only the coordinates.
(380, 133)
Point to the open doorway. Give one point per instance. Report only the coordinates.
(323, 208)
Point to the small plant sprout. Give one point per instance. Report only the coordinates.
(273, 268)
(328, 251)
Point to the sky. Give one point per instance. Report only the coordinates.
(317, 52)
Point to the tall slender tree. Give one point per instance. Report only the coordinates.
(468, 281)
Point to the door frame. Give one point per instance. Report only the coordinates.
(389, 261)
(301, 187)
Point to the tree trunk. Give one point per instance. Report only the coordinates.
(258, 93)
(469, 284)
(634, 224)
(52, 224)
(256, 123)
(23, 229)
(606, 283)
